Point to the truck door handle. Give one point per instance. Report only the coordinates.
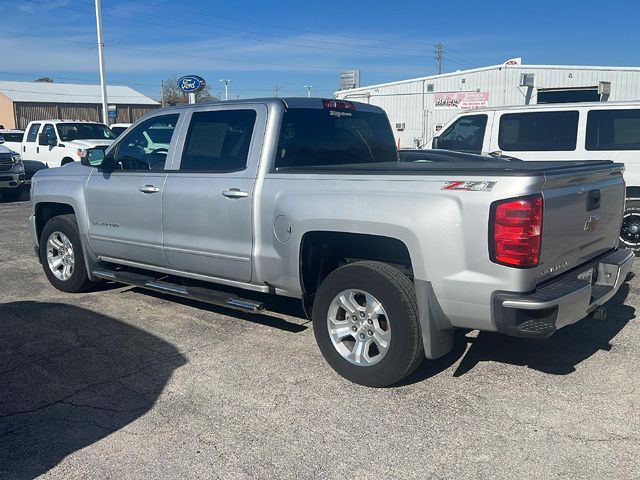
(149, 189)
(234, 193)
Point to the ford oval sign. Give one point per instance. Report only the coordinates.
(191, 83)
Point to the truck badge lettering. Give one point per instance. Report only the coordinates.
(591, 224)
(471, 186)
(334, 113)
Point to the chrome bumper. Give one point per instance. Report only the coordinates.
(564, 300)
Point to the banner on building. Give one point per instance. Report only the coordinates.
(462, 100)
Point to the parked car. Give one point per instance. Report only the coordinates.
(306, 198)
(574, 131)
(119, 128)
(11, 174)
(59, 142)
(11, 138)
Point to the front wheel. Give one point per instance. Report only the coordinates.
(630, 229)
(365, 320)
(61, 255)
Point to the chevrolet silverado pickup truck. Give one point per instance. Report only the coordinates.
(306, 198)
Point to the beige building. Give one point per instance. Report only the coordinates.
(22, 102)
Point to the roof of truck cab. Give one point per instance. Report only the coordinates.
(287, 102)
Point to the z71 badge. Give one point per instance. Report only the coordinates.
(469, 185)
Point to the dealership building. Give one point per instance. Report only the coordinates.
(22, 102)
(419, 107)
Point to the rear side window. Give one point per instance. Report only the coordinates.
(33, 132)
(317, 137)
(218, 141)
(12, 136)
(613, 130)
(465, 135)
(538, 131)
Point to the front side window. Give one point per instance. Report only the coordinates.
(465, 135)
(84, 131)
(32, 135)
(538, 131)
(138, 151)
(613, 130)
(318, 137)
(49, 131)
(218, 141)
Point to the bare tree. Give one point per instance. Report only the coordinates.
(172, 95)
(44, 80)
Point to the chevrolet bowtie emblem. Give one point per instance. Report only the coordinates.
(591, 224)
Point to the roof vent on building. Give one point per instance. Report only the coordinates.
(430, 87)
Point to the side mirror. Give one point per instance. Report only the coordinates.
(434, 143)
(43, 139)
(94, 157)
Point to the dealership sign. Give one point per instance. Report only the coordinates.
(191, 83)
(461, 100)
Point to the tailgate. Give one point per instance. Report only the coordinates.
(582, 216)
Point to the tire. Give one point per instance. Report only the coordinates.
(66, 160)
(377, 366)
(630, 229)
(11, 195)
(78, 280)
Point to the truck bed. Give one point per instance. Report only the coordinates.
(497, 168)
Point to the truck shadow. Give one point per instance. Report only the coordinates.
(68, 378)
(556, 355)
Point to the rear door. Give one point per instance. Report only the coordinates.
(30, 144)
(125, 206)
(208, 196)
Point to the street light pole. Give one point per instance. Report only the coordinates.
(308, 87)
(103, 83)
(226, 87)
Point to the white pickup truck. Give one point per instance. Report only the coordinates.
(58, 142)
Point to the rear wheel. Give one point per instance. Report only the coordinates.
(630, 229)
(365, 320)
(62, 257)
(66, 160)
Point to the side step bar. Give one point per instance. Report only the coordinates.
(201, 294)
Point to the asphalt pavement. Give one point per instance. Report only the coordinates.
(121, 383)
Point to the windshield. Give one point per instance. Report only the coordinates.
(117, 131)
(12, 136)
(316, 137)
(84, 131)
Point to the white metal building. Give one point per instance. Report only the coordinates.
(417, 108)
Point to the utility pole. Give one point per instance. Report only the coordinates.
(276, 91)
(439, 48)
(103, 83)
(162, 93)
(308, 87)
(226, 87)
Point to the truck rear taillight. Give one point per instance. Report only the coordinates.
(339, 105)
(515, 231)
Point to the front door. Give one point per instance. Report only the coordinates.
(125, 205)
(48, 150)
(208, 196)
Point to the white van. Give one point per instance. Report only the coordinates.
(568, 131)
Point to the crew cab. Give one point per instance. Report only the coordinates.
(59, 142)
(306, 198)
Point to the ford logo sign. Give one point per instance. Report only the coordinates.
(191, 83)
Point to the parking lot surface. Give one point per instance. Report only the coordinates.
(121, 383)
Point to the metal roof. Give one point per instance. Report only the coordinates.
(45, 92)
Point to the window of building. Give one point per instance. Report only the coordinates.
(613, 130)
(538, 131)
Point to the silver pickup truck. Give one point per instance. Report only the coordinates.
(306, 198)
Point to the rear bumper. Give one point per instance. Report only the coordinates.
(564, 300)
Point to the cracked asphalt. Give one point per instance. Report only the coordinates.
(119, 383)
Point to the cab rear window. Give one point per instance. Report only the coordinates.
(317, 137)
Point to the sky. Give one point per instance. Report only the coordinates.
(260, 44)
